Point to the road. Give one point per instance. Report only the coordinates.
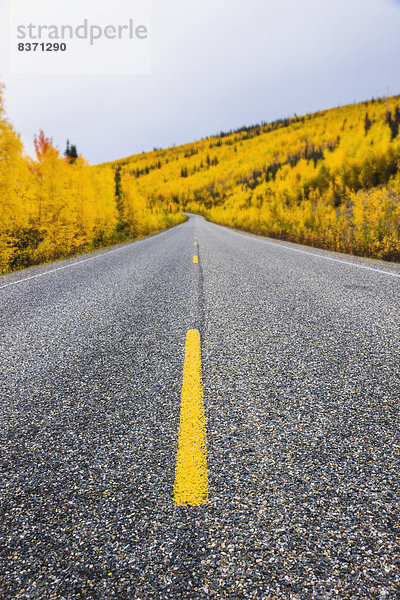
(300, 355)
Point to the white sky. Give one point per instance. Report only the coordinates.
(216, 65)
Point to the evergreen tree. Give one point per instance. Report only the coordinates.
(67, 150)
(118, 190)
(367, 123)
(393, 123)
(396, 123)
(71, 152)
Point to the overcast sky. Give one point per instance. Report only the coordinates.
(216, 65)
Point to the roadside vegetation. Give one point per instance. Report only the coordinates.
(55, 205)
(329, 179)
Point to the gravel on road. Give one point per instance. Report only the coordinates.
(300, 361)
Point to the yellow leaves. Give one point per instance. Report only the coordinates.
(50, 207)
(323, 179)
(13, 176)
(297, 180)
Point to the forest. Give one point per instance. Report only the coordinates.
(329, 179)
(56, 205)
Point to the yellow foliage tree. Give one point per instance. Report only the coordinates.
(51, 207)
(311, 179)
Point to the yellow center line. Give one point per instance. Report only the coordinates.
(191, 482)
(195, 259)
(195, 243)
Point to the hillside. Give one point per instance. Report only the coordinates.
(329, 179)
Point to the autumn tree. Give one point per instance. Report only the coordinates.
(14, 189)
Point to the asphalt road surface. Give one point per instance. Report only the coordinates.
(300, 355)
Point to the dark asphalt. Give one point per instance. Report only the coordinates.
(301, 375)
